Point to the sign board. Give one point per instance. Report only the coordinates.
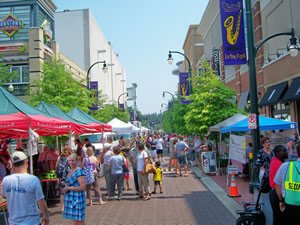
(252, 121)
(232, 168)
(237, 148)
(11, 25)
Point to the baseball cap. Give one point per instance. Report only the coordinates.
(291, 139)
(18, 157)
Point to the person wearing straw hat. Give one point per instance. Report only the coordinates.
(24, 193)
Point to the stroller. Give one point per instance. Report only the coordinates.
(252, 213)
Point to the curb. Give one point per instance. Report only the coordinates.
(211, 185)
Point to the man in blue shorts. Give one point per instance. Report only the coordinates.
(181, 148)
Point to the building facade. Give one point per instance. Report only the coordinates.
(90, 46)
(27, 38)
(278, 74)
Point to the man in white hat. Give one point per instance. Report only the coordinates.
(24, 194)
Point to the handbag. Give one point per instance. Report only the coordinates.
(265, 183)
(89, 172)
(125, 167)
(150, 168)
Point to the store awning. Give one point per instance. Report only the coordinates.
(293, 93)
(273, 94)
(243, 99)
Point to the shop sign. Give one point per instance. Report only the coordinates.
(12, 48)
(10, 25)
(216, 62)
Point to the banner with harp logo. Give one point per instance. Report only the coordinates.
(233, 32)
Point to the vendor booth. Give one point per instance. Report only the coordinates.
(120, 127)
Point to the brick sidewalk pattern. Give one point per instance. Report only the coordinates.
(185, 201)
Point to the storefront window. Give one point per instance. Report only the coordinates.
(281, 111)
(22, 72)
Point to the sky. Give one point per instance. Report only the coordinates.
(142, 32)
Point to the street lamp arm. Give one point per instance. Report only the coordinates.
(120, 97)
(292, 33)
(169, 94)
(88, 72)
(187, 59)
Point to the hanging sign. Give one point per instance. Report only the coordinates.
(233, 32)
(95, 94)
(11, 25)
(184, 87)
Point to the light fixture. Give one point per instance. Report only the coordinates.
(104, 68)
(170, 59)
(10, 88)
(293, 47)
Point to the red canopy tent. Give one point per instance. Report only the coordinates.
(17, 117)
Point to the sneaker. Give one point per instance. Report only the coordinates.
(153, 192)
(110, 199)
(119, 199)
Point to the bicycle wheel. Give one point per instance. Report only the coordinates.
(246, 220)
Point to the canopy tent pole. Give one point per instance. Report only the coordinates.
(220, 139)
(31, 138)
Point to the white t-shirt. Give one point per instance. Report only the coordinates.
(22, 192)
(159, 144)
(107, 156)
(141, 160)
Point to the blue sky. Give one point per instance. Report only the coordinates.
(142, 32)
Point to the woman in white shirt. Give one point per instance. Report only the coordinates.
(143, 180)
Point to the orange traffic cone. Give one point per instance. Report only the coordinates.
(233, 189)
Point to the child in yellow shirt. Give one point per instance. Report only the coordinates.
(157, 178)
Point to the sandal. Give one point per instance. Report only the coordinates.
(147, 198)
(102, 203)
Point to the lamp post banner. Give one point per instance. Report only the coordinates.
(184, 89)
(94, 94)
(233, 32)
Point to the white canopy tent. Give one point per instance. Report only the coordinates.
(119, 126)
(134, 128)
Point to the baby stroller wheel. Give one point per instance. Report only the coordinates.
(246, 220)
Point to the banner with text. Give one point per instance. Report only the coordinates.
(237, 148)
(184, 87)
(233, 32)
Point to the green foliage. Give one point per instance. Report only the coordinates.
(109, 112)
(57, 86)
(5, 75)
(211, 102)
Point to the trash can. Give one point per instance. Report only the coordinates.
(208, 160)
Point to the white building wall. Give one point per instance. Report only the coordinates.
(88, 45)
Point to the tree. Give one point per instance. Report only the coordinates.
(6, 76)
(57, 86)
(211, 102)
(109, 112)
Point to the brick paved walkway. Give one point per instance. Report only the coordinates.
(185, 201)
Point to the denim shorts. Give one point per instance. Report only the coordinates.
(182, 160)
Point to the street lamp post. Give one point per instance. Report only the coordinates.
(252, 50)
(169, 94)
(120, 97)
(170, 61)
(104, 69)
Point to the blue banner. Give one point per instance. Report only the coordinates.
(233, 32)
(94, 94)
(184, 87)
